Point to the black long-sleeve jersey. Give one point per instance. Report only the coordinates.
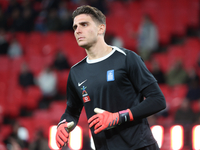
(116, 82)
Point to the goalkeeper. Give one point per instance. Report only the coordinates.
(115, 87)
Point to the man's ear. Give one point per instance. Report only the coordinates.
(102, 29)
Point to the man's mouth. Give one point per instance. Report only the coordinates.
(80, 38)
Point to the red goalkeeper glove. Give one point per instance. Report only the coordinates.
(106, 120)
(62, 133)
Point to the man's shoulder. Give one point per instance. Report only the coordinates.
(79, 64)
(124, 51)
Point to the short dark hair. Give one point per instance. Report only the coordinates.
(95, 13)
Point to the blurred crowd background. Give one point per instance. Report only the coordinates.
(37, 49)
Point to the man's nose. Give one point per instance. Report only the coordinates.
(78, 30)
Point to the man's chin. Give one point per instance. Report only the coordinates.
(83, 45)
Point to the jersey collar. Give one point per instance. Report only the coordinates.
(102, 58)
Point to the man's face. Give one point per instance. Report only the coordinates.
(85, 30)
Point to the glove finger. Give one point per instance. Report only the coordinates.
(94, 122)
(64, 132)
(58, 144)
(92, 118)
(97, 125)
(98, 129)
(59, 141)
(63, 136)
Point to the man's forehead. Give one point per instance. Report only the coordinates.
(82, 18)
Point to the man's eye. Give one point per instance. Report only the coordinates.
(85, 24)
(74, 28)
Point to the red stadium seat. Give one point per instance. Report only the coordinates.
(56, 110)
(4, 4)
(180, 9)
(191, 52)
(162, 60)
(41, 114)
(28, 123)
(4, 63)
(32, 97)
(22, 38)
(42, 120)
(194, 13)
(34, 43)
(36, 64)
(49, 46)
(119, 6)
(62, 77)
(195, 106)
(4, 77)
(15, 65)
(5, 131)
(165, 89)
(179, 91)
(150, 7)
(67, 43)
(175, 53)
(14, 101)
(34, 38)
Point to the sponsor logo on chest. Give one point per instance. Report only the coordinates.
(85, 95)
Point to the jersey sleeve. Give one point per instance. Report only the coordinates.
(138, 73)
(154, 102)
(145, 83)
(74, 104)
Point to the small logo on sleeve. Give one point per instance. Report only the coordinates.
(110, 75)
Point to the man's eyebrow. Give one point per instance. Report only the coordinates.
(83, 22)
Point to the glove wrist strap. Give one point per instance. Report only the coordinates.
(125, 116)
(63, 121)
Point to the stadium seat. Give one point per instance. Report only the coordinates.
(22, 38)
(180, 9)
(49, 44)
(34, 44)
(179, 91)
(62, 77)
(194, 13)
(119, 6)
(14, 99)
(67, 43)
(28, 123)
(3, 85)
(56, 109)
(34, 37)
(191, 52)
(5, 131)
(15, 65)
(4, 63)
(32, 97)
(175, 97)
(195, 106)
(42, 120)
(36, 64)
(174, 54)
(165, 89)
(4, 4)
(2, 108)
(33, 50)
(150, 7)
(162, 60)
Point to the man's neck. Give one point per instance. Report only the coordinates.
(98, 50)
